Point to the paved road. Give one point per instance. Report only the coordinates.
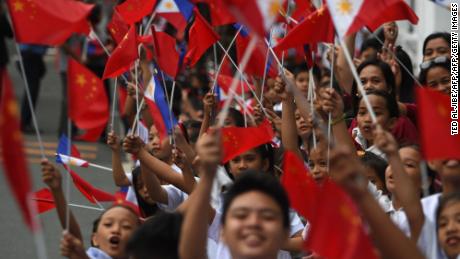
(15, 239)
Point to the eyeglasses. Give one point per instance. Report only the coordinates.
(438, 60)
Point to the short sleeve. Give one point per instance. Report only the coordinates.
(175, 198)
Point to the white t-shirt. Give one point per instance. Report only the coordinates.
(96, 253)
(222, 250)
(221, 183)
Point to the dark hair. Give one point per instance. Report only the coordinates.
(424, 72)
(390, 100)
(303, 67)
(443, 202)
(443, 35)
(266, 152)
(387, 74)
(98, 219)
(406, 89)
(146, 209)
(157, 238)
(237, 117)
(264, 183)
(377, 163)
(371, 43)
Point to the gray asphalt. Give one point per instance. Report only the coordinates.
(16, 241)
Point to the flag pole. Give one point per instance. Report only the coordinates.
(329, 124)
(358, 81)
(173, 138)
(243, 63)
(114, 101)
(216, 73)
(37, 230)
(311, 97)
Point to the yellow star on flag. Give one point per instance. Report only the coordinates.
(81, 81)
(13, 109)
(18, 6)
(169, 5)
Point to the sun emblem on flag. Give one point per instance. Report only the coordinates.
(274, 8)
(169, 5)
(345, 7)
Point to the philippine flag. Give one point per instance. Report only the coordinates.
(177, 12)
(158, 106)
(73, 161)
(63, 156)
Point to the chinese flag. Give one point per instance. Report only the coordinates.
(117, 27)
(317, 27)
(123, 57)
(219, 13)
(337, 214)
(134, 10)
(201, 37)
(166, 53)
(90, 192)
(237, 140)
(88, 102)
(12, 153)
(44, 200)
(49, 22)
(434, 123)
(299, 185)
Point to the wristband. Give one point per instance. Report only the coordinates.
(338, 120)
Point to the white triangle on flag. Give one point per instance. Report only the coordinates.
(343, 13)
(167, 6)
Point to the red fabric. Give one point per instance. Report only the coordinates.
(44, 200)
(201, 37)
(88, 102)
(375, 13)
(157, 118)
(434, 122)
(122, 96)
(91, 193)
(123, 56)
(12, 153)
(225, 82)
(256, 63)
(237, 140)
(134, 10)
(92, 134)
(166, 54)
(404, 131)
(49, 22)
(299, 185)
(336, 213)
(117, 27)
(219, 13)
(317, 27)
(411, 112)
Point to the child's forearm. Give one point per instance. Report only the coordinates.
(61, 209)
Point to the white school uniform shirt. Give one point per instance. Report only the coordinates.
(222, 251)
(96, 253)
(363, 143)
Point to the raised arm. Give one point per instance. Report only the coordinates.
(342, 69)
(194, 232)
(391, 242)
(209, 105)
(52, 177)
(118, 173)
(405, 189)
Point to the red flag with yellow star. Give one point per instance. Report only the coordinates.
(299, 185)
(123, 56)
(88, 102)
(134, 10)
(117, 27)
(11, 150)
(337, 214)
(201, 37)
(237, 140)
(434, 122)
(49, 22)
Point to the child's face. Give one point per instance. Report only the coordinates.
(382, 114)
(304, 127)
(435, 48)
(438, 78)
(249, 160)
(372, 78)
(301, 81)
(411, 161)
(142, 190)
(449, 169)
(318, 163)
(373, 177)
(161, 149)
(449, 229)
(114, 230)
(254, 226)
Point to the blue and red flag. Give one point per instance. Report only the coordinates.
(176, 12)
(155, 98)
